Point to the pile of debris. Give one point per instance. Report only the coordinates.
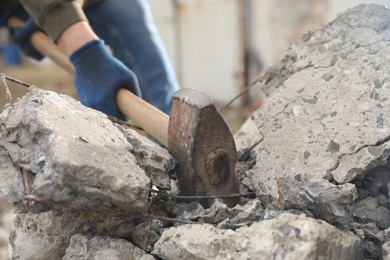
(316, 157)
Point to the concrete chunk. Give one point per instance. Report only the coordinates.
(73, 157)
(327, 119)
(47, 235)
(87, 247)
(285, 237)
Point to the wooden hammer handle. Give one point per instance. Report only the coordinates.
(152, 120)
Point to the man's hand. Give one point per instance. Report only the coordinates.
(99, 76)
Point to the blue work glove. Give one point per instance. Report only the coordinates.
(99, 76)
(22, 38)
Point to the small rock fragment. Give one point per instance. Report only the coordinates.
(386, 251)
(98, 247)
(154, 159)
(190, 211)
(145, 234)
(369, 210)
(285, 237)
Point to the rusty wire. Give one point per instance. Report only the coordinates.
(246, 89)
(200, 197)
(8, 95)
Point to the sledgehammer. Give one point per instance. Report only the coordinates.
(195, 133)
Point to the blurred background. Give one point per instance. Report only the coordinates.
(216, 46)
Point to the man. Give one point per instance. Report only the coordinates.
(82, 28)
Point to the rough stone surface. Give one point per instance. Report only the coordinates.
(285, 237)
(327, 119)
(247, 136)
(155, 160)
(146, 234)
(46, 235)
(324, 199)
(368, 210)
(74, 156)
(323, 154)
(87, 247)
(6, 224)
(386, 251)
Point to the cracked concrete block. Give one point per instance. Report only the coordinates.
(47, 235)
(72, 156)
(285, 237)
(98, 247)
(327, 118)
(202, 241)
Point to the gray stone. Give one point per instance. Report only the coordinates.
(6, 223)
(376, 179)
(324, 199)
(218, 212)
(372, 249)
(203, 241)
(386, 251)
(154, 159)
(316, 126)
(190, 211)
(285, 237)
(145, 234)
(369, 230)
(73, 156)
(369, 210)
(247, 136)
(383, 200)
(242, 215)
(46, 235)
(103, 248)
(387, 235)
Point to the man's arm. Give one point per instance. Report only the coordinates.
(98, 75)
(54, 16)
(76, 36)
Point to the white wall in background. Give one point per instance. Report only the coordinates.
(205, 42)
(280, 22)
(210, 46)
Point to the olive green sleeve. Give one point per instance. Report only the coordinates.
(54, 16)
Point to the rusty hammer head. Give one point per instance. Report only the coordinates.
(204, 147)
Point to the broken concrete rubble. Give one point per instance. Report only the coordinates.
(156, 161)
(285, 237)
(88, 247)
(320, 172)
(6, 225)
(325, 131)
(334, 129)
(74, 157)
(47, 235)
